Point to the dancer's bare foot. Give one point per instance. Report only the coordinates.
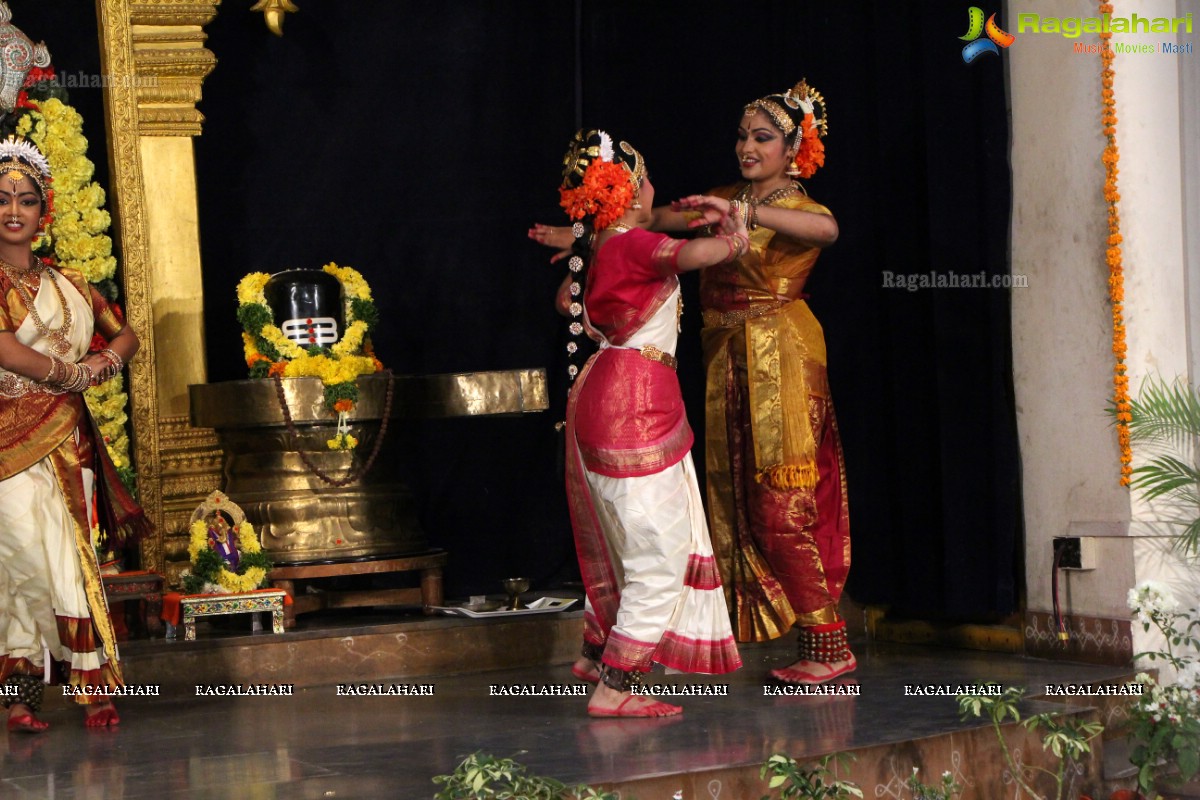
(22, 720)
(101, 715)
(812, 672)
(586, 670)
(608, 702)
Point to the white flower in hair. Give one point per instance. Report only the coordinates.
(20, 148)
(807, 106)
(606, 147)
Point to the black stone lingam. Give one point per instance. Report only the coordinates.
(307, 306)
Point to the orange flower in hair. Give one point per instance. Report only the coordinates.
(606, 193)
(811, 153)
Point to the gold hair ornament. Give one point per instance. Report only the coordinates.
(22, 157)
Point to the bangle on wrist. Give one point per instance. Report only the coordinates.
(75, 377)
(115, 365)
(734, 248)
(738, 243)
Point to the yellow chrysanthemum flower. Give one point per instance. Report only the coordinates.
(250, 289)
(78, 240)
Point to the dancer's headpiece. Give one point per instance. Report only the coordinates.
(801, 114)
(600, 179)
(21, 158)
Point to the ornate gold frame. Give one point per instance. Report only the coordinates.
(153, 53)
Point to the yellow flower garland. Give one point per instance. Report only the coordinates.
(107, 402)
(1116, 272)
(248, 543)
(80, 222)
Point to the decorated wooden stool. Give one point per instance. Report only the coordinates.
(228, 573)
(185, 609)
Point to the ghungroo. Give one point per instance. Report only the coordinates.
(29, 691)
(619, 679)
(824, 643)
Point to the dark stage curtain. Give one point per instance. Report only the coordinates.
(417, 143)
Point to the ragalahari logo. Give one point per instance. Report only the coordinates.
(996, 37)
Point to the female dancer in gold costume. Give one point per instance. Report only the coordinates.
(52, 605)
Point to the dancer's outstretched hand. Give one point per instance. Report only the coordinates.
(556, 236)
(709, 210)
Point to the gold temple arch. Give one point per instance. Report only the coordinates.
(153, 53)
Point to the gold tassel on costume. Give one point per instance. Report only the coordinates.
(789, 476)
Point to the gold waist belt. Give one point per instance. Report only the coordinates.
(654, 354)
(738, 316)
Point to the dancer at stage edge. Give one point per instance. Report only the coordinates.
(52, 605)
(653, 590)
(776, 480)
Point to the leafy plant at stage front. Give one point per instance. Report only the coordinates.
(947, 789)
(1164, 726)
(484, 777)
(1069, 739)
(1164, 421)
(812, 782)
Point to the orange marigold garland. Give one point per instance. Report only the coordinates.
(606, 193)
(1116, 275)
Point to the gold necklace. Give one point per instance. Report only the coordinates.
(60, 345)
(778, 194)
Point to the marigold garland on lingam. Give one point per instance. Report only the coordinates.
(270, 353)
(1116, 273)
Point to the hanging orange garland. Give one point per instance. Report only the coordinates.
(1116, 275)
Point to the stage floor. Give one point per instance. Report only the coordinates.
(317, 744)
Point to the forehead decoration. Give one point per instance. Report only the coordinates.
(19, 158)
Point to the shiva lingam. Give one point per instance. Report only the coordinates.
(275, 433)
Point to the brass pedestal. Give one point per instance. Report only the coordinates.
(300, 518)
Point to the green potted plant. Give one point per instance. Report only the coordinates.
(1164, 725)
(945, 789)
(812, 782)
(1069, 739)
